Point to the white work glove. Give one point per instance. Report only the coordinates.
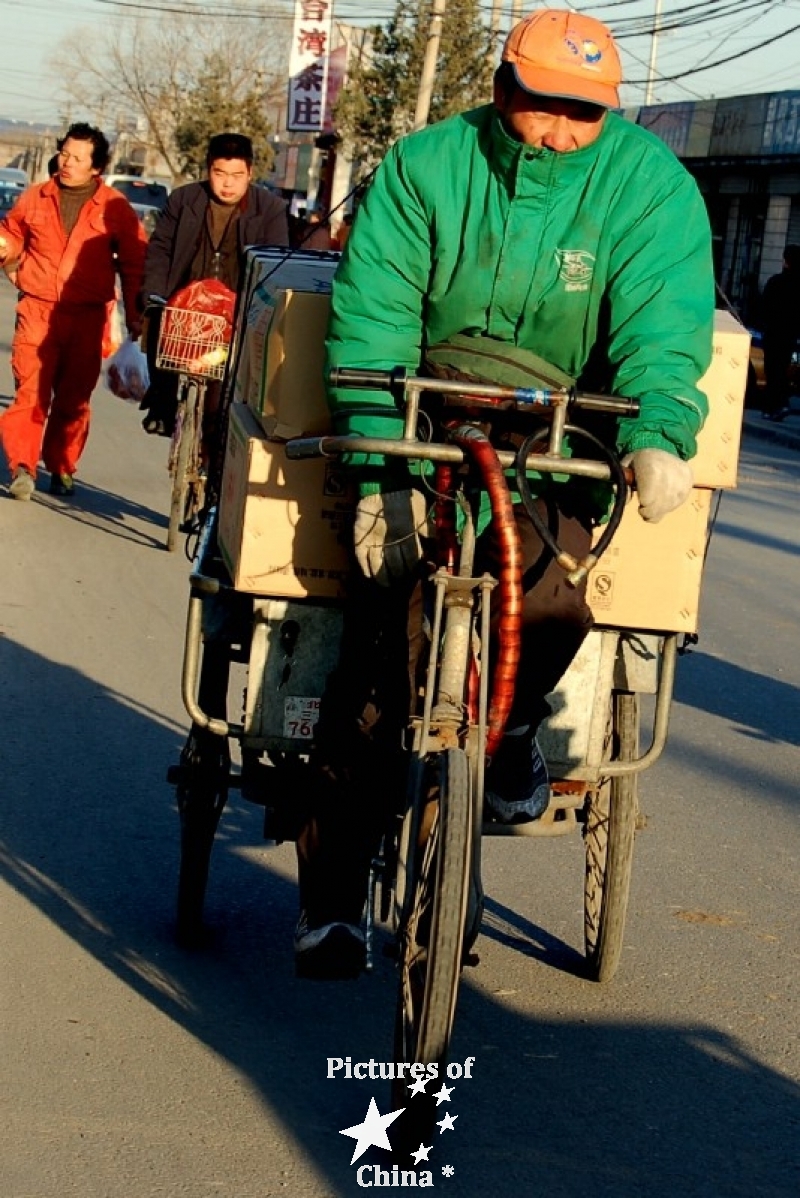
(663, 482)
(387, 532)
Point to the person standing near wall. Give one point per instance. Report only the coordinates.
(780, 326)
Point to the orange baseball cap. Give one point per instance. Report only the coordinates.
(565, 54)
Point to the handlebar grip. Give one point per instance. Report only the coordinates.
(301, 448)
(367, 380)
(617, 405)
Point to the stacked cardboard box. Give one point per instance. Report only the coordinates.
(650, 576)
(285, 382)
(271, 277)
(284, 527)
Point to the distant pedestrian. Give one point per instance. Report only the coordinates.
(780, 327)
(317, 233)
(343, 232)
(70, 236)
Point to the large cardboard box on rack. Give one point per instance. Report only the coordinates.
(284, 527)
(285, 383)
(650, 575)
(268, 271)
(725, 383)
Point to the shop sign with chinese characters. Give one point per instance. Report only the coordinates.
(308, 65)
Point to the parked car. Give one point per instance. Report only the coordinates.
(15, 177)
(147, 197)
(9, 194)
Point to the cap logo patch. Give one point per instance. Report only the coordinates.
(587, 50)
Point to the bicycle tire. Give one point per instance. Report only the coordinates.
(609, 832)
(432, 938)
(201, 794)
(180, 456)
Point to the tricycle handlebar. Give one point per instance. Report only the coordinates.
(471, 394)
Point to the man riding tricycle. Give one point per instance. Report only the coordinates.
(517, 331)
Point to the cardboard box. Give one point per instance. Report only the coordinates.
(725, 383)
(267, 270)
(650, 575)
(280, 269)
(285, 384)
(284, 527)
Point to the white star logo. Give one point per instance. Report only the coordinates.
(421, 1154)
(371, 1131)
(419, 1086)
(445, 1124)
(443, 1095)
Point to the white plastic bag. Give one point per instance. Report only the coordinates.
(126, 373)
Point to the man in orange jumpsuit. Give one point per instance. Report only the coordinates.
(70, 236)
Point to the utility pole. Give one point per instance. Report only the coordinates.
(651, 70)
(429, 65)
(495, 21)
(516, 12)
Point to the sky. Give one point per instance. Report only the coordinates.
(703, 33)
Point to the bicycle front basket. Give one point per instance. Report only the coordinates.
(193, 343)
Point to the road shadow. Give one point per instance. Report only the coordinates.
(561, 1108)
(521, 935)
(106, 511)
(760, 707)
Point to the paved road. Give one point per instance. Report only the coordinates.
(131, 1069)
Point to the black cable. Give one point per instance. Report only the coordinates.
(618, 479)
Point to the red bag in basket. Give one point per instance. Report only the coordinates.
(206, 295)
(197, 343)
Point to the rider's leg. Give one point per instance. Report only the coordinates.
(556, 620)
(357, 777)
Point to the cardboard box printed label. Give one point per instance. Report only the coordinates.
(650, 575)
(285, 528)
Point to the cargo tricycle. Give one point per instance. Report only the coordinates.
(426, 886)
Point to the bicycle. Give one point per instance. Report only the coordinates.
(193, 345)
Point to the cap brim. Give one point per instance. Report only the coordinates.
(560, 86)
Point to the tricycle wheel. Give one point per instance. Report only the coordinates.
(432, 940)
(202, 792)
(608, 834)
(205, 761)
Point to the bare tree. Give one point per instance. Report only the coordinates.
(154, 73)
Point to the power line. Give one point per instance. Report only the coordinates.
(720, 61)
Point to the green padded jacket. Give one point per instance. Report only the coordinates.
(465, 230)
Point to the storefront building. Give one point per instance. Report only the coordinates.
(744, 152)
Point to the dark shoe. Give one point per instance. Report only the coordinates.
(157, 427)
(517, 782)
(332, 953)
(62, 484)
(22, 484)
